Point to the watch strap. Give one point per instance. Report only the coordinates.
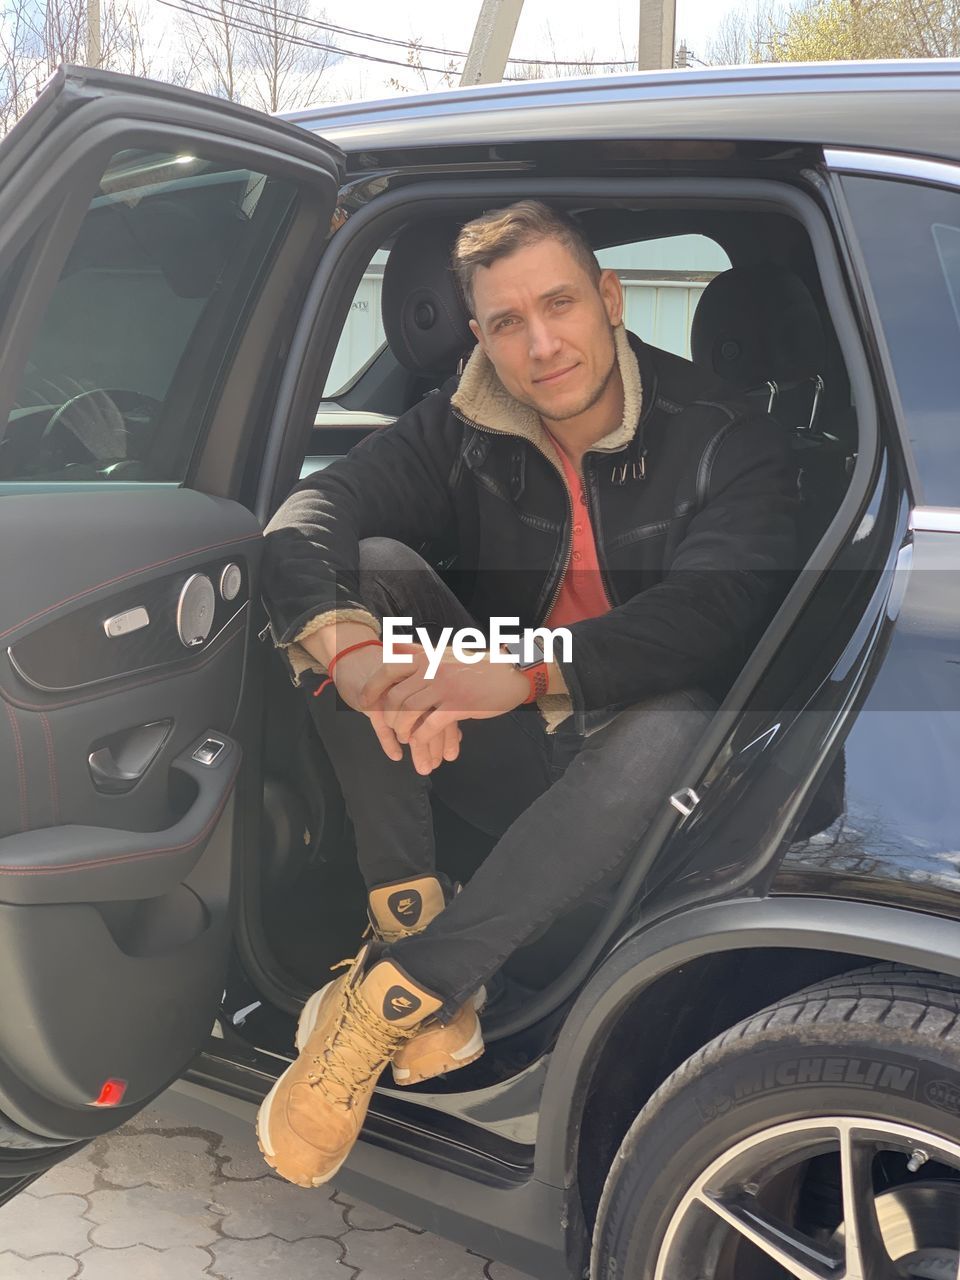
(538, 677)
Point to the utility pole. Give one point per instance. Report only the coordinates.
(658, 34)
(93, 33)
(683, 55)
(492, 41)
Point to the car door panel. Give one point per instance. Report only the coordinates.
(46, 737)
(46, 742)
(74, 1019)
(139, 637)
(74, 863)
(106, 899)
(121, 716)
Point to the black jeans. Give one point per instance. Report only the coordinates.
(567, 810)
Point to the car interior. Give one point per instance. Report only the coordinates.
(763, 325)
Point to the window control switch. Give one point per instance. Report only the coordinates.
(208, 751)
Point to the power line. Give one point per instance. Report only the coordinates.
(439, 49)
(194, 9)
(350, 31)
(354, 33)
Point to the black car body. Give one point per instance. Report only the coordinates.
(146, 893)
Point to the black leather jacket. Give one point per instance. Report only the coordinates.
(692, 503)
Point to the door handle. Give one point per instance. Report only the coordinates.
(76, 863)
(121, 761)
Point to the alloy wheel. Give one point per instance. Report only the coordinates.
(742, 1218)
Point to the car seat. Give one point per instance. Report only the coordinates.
(424, 318)
(759, 328)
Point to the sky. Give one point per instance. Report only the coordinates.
(595, 30)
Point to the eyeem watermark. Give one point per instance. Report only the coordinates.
(470, 645)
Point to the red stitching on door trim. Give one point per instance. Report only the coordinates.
(21, 770)
(173, 674)
(52, 765)
(128, 857)
(130, 573)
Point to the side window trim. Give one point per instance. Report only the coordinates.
(935, 519)
(889, 164)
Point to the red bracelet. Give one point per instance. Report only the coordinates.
(342, 653)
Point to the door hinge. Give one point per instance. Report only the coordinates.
(685, 801)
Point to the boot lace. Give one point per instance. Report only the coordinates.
(361, 1046)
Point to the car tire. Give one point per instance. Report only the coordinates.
(865, 1068)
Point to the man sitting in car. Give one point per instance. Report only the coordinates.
(584, 480)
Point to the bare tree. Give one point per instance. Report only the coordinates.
(912, 28)
(747, 34)
(268, 54)
(64, 32)
(448, 77)
(131, 49)
(36, 36)
(34, 40)
(554, 67)
(730, 46)
(551, 67)
(21, 74)
(284, 64)
(215, 34)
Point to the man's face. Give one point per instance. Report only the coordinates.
(547, 326)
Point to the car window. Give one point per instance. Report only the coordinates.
(910, 237)
(362, 335)
(153, 293)
(663, 281)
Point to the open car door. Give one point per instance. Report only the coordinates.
(155, 247)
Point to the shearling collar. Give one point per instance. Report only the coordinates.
(483, 398)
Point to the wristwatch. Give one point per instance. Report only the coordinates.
(536, 672)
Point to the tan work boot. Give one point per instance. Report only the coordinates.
(311, 1118)
(440, 1048)
(400, 911)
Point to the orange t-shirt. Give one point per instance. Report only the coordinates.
(582, 593)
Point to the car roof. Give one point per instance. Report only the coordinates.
(894, 106)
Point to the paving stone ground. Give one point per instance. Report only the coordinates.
(164, 1199)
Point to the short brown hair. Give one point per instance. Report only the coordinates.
(501, 232)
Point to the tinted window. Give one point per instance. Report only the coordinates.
(910, 236)
(150, 300)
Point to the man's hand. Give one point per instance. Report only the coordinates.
(353, 674)
(416, 709)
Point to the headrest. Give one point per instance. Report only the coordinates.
(189, 250)
(758, 323)
(424, 318)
